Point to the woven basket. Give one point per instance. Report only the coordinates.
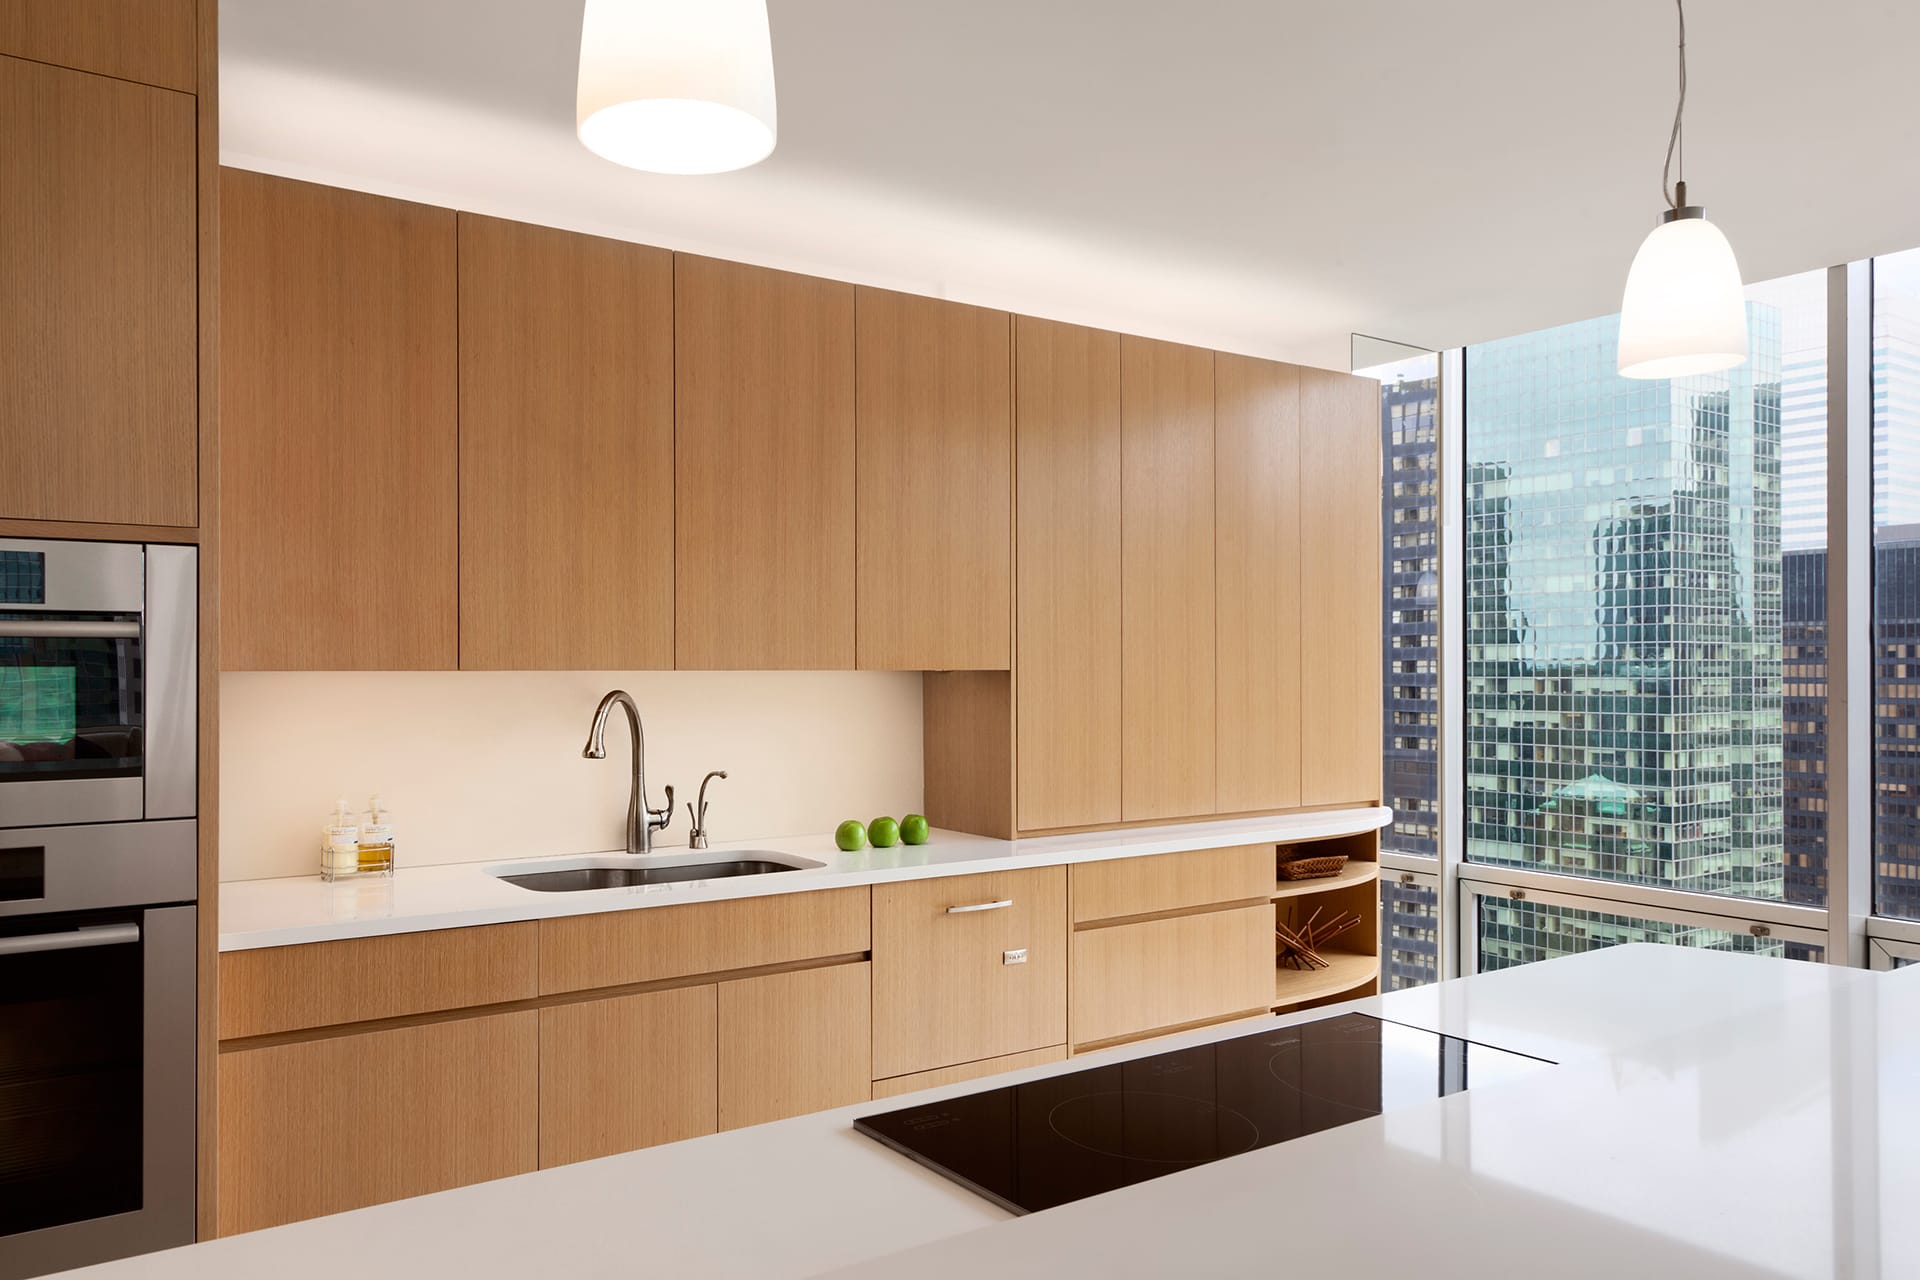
(1314, 868)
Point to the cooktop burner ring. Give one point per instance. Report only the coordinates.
(1246, 1138)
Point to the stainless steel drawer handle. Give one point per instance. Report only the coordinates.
(107, 935)
(980, 906)
(56, 629)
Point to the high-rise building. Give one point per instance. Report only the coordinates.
(1410, 601)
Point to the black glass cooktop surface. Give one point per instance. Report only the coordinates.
(1032, 1146)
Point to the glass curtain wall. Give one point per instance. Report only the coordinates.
(1896, 588)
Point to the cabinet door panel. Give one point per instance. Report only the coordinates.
(1067, 619)
(625, 1072)
(323, 1126)
(1340, 660)
(1131, 979)
(1167, 585)
(1257, 558)
(764, 466)
(98, 309)
(935, 484)
(566, 450)
(1170, 881)
(152, 41)
(339, 381)
(795, 1042)
(943, 991)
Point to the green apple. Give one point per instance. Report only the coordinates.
(913, 829)
(850, 836)
(884, 832)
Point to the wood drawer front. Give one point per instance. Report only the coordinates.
(626, 1072)
(795, 1042)
(919, 1080)
(323, 1126)
(1134, 978)
(942, 994)
(1171, 882)
(618, 947)
(326, 984)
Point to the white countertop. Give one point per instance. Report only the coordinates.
(277, 913)
(1713, 1115)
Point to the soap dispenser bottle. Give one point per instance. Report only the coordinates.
(376, 839)
(339, 844)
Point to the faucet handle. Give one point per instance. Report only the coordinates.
(660, 819)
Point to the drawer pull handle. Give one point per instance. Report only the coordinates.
(980, 906)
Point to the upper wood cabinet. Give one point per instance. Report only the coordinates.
(935, 494)
(764, 462)
(566, 450)
(151, 41)
(99, 343)
(1339, 588)
(1167, 583)
(1256, 486)
(339, 382)
(1067, 579)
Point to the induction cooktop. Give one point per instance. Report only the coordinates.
(1032, 1146)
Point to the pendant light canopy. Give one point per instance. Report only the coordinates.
(1684, 310)
(677, 86)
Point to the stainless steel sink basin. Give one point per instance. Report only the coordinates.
(625, 872)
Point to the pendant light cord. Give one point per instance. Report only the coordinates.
(1673, 138)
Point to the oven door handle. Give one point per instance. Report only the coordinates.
(106, 935)
(66, 629)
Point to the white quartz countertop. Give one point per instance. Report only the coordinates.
(1712, 1115)
(276, 913)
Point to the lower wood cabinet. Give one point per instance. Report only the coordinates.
(626, 1072)
(790, 1043)
(1132, 980)
(323, 1126)
(968, 967)
(897, 1085)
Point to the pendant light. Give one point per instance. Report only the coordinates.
(677, 86)
(1684, 311)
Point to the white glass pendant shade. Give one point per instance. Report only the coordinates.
(1684, 311)
(677, 86)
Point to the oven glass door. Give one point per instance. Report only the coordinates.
(72, 1019)
(71, 712)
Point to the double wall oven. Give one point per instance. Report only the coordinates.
(98, 790)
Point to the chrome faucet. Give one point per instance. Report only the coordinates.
(697, 839)
(642, 821)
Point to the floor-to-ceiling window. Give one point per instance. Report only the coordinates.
(1896, 590)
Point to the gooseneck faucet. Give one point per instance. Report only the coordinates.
(642, 821)
(697, 838)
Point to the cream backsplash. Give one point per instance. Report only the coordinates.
(482, 765)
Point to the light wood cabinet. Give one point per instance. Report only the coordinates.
(625, 1072)
(1149, 976)
(764, 468)
(338, 384)
(99, 373)
(935, 492)
(1257, 567)
(947, 988)
(794, 1042)
(1339, 588)
(149, 41)
(1167, 580)
(919, 1080)
(1124, 887)
(1067, 580)
(566, 450)
(323, 1126)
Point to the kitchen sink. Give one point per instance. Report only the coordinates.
(626, 872)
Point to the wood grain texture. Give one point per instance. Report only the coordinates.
(566, 450)
(626, 1072)
(331, 1125)
(967, 749)
(934, 411)
(897, 1085)
(942, 994)
(1132, 979)
(1167, 583)
(207, 1014)
(795, 1042)
(325, 984)
(155, 42)
(764, 467)
(1257, 566)
(1169, 881)
(338, 436)
(615, 947)
(99, 410)
(1339, 588)
(1067, 574)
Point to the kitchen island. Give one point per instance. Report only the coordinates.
(1710, 1115)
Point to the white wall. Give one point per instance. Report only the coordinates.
(485, 765)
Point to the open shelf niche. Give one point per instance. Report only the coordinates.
(1353, 956)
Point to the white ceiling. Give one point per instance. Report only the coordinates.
(1255, 175)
